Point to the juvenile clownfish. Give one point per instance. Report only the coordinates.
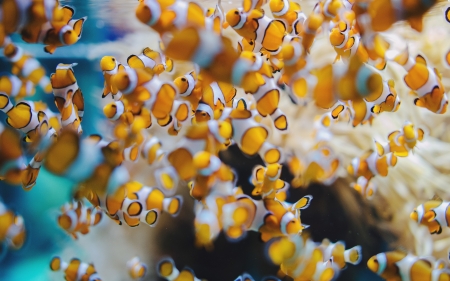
(27, 67)
(11, 158)
(328, 8)
(339, 254)
(210, 172)
(251, 136)
(75, 270)
(75, 217)
(145, 204)
(12, 228)
(16, 88)
(388, 101)
(151, 150)
(85, 163)
(286, 10)
(54, 35)
(364, 187)
(110, 66)
(170, 16)
(267, 181)
(249, 5)
(151, 59)
(217, 58)
(424, 81)
(254, 25)
(64, 82)
(189, 89)
(267, 96)
(380, 15)
(397, 265)
(136, 268)
(19, 15)
(215, 18)
(167, 270)
(69, 115)
(309, 29)
(370, 165)
(424, 214)
(400, 142)
(215, 97)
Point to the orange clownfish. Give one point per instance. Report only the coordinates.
(339, 254)
(54, 35)
(251, 136)
(254, 25)
(329, 8)
(27, 66)
(11, 156)
(75, 217)
(64, 82)
(370, 165)
(397, 265)
(364, 187)
(151, 59)
(424, 81)
(145, 204)
(169, 16)
(286, 10)
(379, 15)
(12, 228)
(418, 214)
(189, 89)
(388, 101)
(401, 141)
(16, 88)
(23, 15)
(217, 58)
(75, 270)
(167, 270)
(151, 150)
(69, 115)
(110, 66)
(215, 97)
(309, 30)
(267, 181)
(136, 268)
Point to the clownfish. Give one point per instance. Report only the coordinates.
(217, 58)
(75, 217)
(380, 15)
(402, 141)
(286, 10)
(309, 29)
(12, 228)
(418, 214)
(85, 163)
(170, 16)
(364, 187)
(75, 270)
(215, 97)
(321, 165)
(27, 66)
(251, 136)
(151, 59)
(166, 269)
(249, 5)
(339, 254)
(215, 18)
(136, 268)
(328, 8)
(302, 260)
(190, 89)
(64, 82)
(370, 165)
(397, 265)
(424, 82)
(254, 25)
(151, 150)
(110, 66)
(11, 157)
(15, 87)
(145, 204)
(388, 101)
(69, 115)
(23, 15)
(54, 35)
(210, 171)
(267, 181)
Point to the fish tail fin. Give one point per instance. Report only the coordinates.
(280, 120)
(353, 255)
(173, 205)
(167, 178)
(57, 264)
(382, 148)
(149, 217)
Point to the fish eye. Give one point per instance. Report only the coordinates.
(183, 79)
(113, 59)
(251, 43)
(236, 13)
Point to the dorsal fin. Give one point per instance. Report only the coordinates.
(437, 198)
(421, 59)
